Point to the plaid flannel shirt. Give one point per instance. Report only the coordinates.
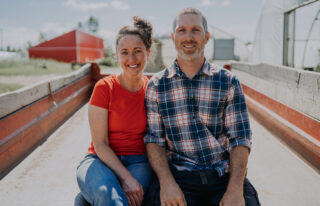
(198, 120)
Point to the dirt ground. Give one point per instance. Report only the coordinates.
(33, 79)
(26, 80)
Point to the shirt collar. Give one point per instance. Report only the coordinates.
(206, 69)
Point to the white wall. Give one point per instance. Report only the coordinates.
(298, 89)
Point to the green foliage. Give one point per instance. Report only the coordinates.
(317, 69)
(33, 67)
(9, 87)
(109, 61)
(109, 52)
(42, 37)
(93, 24)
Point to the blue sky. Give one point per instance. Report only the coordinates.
(23, 20)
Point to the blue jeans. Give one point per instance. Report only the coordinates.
(100, 186)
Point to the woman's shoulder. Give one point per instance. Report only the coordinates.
(108, 81)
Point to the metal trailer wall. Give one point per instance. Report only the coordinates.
(75, 46)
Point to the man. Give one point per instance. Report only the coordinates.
(198, 136)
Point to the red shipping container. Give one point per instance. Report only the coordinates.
(75, 46)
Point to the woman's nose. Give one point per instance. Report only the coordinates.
(132, 57)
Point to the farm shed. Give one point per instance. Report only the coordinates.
(74, 46)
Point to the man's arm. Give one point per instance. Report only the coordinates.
(170, 192)
(238, 130)
(238, 167)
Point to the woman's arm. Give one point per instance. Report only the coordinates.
(98, 120)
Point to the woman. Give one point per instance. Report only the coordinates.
(116, 170)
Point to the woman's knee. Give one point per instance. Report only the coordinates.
(109, 195)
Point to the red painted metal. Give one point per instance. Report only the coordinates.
(302, 146)
(75, 46)
(300, 120)
(29, 126)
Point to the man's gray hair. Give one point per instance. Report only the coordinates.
(191, 11)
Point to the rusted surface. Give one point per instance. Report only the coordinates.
(261, 108)
(302, 121)
(26, 128)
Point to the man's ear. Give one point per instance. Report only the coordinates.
(172, 36)
(207, 37)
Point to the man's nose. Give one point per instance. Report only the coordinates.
(189, 35)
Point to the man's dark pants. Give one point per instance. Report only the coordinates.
(201, 189)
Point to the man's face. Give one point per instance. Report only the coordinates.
(189, 37)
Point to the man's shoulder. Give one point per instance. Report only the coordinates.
(220, 72)
(158, 77)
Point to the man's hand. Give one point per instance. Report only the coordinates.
(133, 190)
(232, 199)
(171, 195)
(238, 167)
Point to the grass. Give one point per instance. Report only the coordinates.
(34, 67)
(9, 87)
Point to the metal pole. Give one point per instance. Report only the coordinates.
(309, 33)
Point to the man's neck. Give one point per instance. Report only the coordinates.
(190, 67)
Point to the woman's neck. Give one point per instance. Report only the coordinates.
(131, 83)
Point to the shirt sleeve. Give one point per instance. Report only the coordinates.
(155, 129)
(236, 120)
(101, 94)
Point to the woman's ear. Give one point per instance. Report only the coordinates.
(117, 55)
(148, 54)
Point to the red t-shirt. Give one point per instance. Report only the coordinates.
(127, 120)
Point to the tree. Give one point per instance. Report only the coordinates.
(93, 24)
(42, 37)
(29, 44)
(80, 25)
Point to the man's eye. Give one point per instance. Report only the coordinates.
(124, 53)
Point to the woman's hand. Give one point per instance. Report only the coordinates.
(133, 190)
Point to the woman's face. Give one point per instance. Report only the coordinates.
(132, 54)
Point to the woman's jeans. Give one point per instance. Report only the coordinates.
(100, 186)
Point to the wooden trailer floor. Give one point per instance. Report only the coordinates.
(47, 176)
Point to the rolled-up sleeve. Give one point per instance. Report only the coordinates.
(237, 125)
(155, 130)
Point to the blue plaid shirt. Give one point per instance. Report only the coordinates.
(198, 120)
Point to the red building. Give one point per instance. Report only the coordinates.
(75, 46)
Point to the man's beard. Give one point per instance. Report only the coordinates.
(195, 55)
(191, 56)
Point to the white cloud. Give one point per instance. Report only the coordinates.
(54, 27)
(206, 3)
(19, 36)
(120, 5)
(226, 3)
(108, 35)
(151, 18)
(84, 5)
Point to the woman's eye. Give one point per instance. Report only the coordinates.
(138, 51)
